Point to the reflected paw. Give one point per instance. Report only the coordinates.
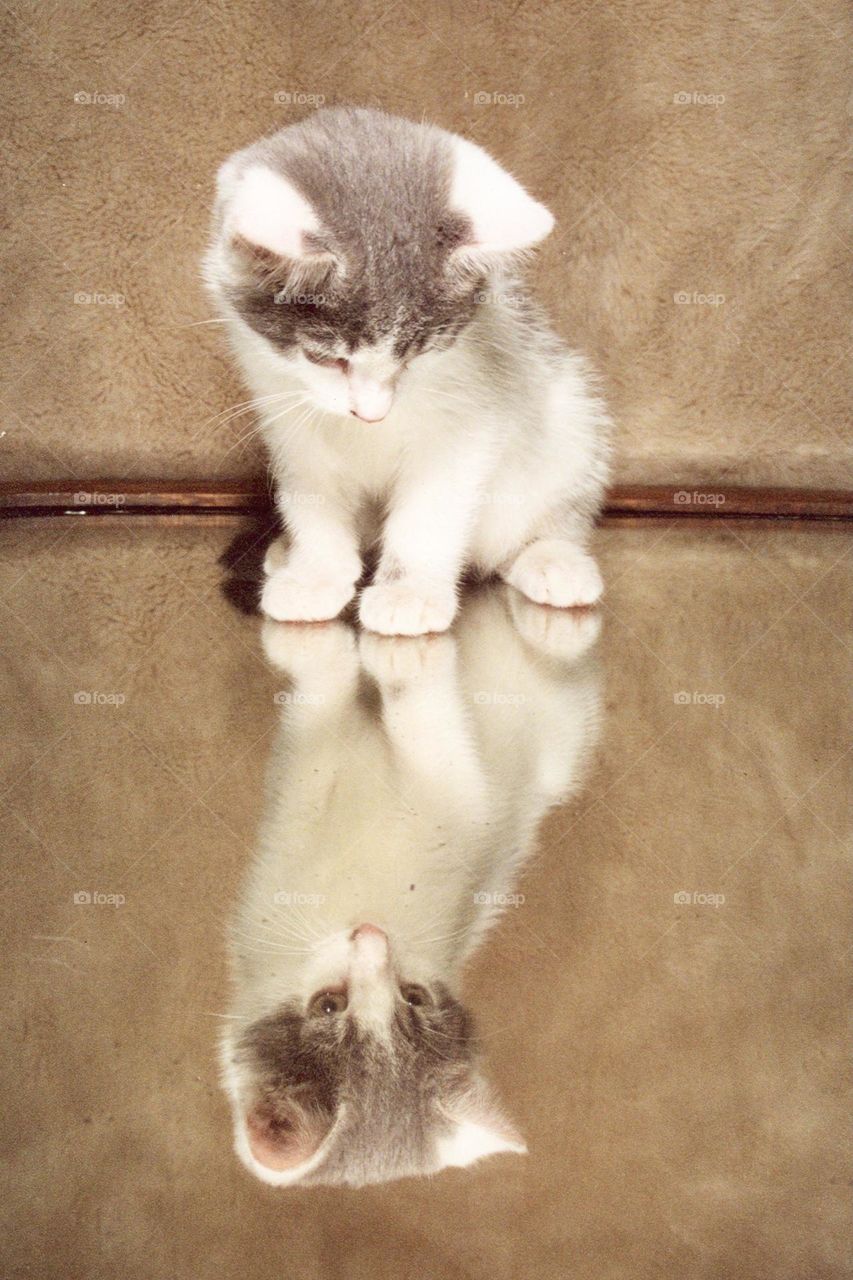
(405, 659)
(565, 634)
(328, 649)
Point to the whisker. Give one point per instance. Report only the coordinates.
(244, 406)
(192, 324)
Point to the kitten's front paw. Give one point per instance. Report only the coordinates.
(407, 607)
(555, 572)
(289, 598)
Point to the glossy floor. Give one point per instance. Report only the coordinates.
(659, 1001)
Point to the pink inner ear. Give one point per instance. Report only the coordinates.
(281, 1143)
(269, 212)
(504, 217)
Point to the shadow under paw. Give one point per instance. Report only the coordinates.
(243, 562)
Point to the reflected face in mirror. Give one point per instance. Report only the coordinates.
(405, 789)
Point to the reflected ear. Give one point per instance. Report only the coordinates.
(478, 1128)
(269, 225)
(283, 1141)
(505, 219)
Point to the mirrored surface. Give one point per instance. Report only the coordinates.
(629, 915)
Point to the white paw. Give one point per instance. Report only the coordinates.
(402, 660)
(564, 634)
(287, 597)
(557, 573)
(329, 648)
(407, 607)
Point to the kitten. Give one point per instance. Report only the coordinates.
(411, 395)
(404, 794)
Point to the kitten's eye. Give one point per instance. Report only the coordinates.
(343, 365)
(415, 995)
(327, 1003)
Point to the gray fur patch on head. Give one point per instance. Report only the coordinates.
(380, 259)
(385, 1099)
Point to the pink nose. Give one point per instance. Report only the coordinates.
(369, 398)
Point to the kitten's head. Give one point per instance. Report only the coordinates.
(364, 1075)
(355, 243)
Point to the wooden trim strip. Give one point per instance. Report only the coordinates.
(723, 502)
(124, 498)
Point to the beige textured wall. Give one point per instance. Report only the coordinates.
(734, 193)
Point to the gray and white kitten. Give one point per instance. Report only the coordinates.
(404, 795)
(412, 398)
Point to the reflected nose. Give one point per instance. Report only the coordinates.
(372, 933)
(365, 417)
(371, 945)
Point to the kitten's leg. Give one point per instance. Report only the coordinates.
(555, 571)
(424, 544)
(321, 661)
(316, 577)
(424, 714)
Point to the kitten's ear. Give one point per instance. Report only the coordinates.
(504, 217)
(265, 210)
(282, 1142)
(478, 1128)
(268, 225)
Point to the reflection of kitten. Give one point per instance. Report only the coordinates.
(404, 795)
(367, 267)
